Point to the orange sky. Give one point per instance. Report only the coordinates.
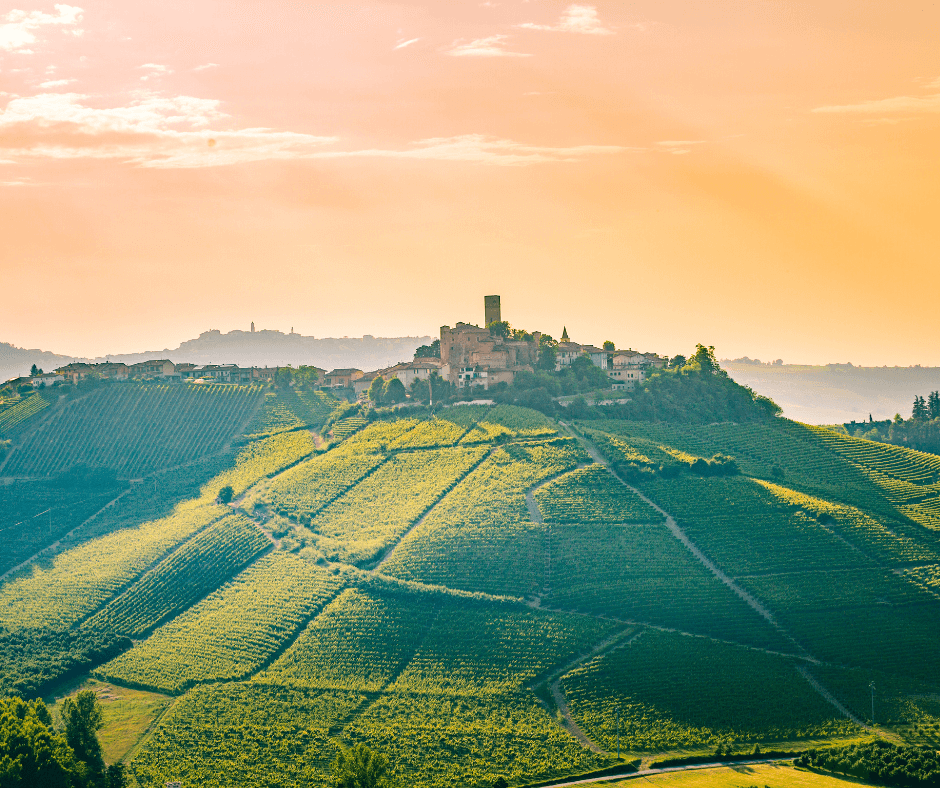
(761, 176)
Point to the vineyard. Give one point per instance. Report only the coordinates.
(657, 683)
(134, 429)
(200, 566)
(458, 588)
(592, 495)
(231, 633)
(17, 414)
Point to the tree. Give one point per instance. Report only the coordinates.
(429, 351)
(360, 767)
(499, 328)
(608, 345)
(393, 391)
(933, 404)
(116, 776)
(704, 360)
(548, 357)
(677, 362)
(34, 370)
(83, 719)
(32, 755)
(226, 494)
(375, 389)
(919, 413)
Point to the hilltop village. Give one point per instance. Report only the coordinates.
(473, 360)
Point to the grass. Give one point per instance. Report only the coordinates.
(770, 775)
(128, 715)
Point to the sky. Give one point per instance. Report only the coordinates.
(759, 176)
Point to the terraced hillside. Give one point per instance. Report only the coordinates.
(484, 593)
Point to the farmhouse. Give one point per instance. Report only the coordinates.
(341, 378)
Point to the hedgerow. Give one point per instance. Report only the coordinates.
(879, 761)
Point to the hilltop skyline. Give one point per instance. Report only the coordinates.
(757, 176)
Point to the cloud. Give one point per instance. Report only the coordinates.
(483, 149)
(155, 70)
(409, 42)
(158, 132)
(492, 46)
(18, 31)
(679, 147)
(909, 105)
(56, 83)
(205, 66)
(576, 19)
(152, 131)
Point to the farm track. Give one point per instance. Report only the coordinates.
(828, 696)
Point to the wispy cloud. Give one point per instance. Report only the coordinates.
(19, 29)
(576, 19)
(491, 46)
(905, 104)
(56, 83)
(159, 132)
(205, 66)
(408, 43)
(678, 147)
(154, 70)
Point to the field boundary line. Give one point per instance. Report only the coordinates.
(166, 555)
(440, 498)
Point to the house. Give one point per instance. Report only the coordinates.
(218, 373)
(341, 378)
(419, 369)
(361, 385)
(76, 371)
(113, 369)
(160, 368)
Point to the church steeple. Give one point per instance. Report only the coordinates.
(564, 334)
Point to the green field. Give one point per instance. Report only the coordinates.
(463, 589)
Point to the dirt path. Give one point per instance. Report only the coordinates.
(811, 679)
(569, 724)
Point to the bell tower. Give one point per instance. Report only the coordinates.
(491, 310)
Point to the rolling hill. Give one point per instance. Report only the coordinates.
(479, 592)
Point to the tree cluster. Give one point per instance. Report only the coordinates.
(387, 392)
(921, 431)
(33, 754)
(303, 377)
(879, 762)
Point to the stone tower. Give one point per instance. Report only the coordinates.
(252, 326)
(491, 310)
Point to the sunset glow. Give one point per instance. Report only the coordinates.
(758, 176)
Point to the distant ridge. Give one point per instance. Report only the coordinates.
(836, 393)
(245, 348)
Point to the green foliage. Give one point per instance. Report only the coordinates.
(499, 329)
(34, 659)
(479, 538)
(679, 691)
(226, 494)
(200, 566)
(291, 409)
(35, 514)
(236, 735)
(362, 523)
(429, 351)
(14, 418)
(438, 741)
(60, 591)
(231, 633)
(32, 755)
(593, 495)
(82, 719)
(393, 392)
(359, 767)
(135, 429)
(879, 762)
(359, 642)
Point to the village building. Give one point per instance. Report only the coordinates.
(159, 368)
(341, 378)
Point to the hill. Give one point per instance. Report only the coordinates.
(837, 393)
(480, 592)
(245, 348)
